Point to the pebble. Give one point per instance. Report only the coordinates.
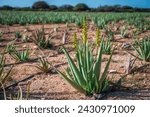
(35, 47)
(24, 46)
(126, 45)
(112, 71)
(25, 30)
(121, 66)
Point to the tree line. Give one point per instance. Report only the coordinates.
(44, 6)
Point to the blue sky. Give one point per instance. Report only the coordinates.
(91, 3)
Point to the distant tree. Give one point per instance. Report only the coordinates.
(53, 7)
(81, 7)
(127, 7)
(40, 5)
(22, 9)
(6, 7)
(66, 7)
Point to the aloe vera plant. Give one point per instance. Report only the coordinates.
(86, 75)
(107, 47)
(18, 55)
(40, 39)
(124, 32)
(18, 34)
(44, 65)
(4, 75)
(1, 34)
(142, 49)
(2, 60)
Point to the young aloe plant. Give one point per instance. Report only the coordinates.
(86, 75)
(44, 65)
(142, 49)
(18, 55)
(107, 47)
(124, 32)
(4, 75)
(1, 34)
(40, 39)
(2, 60)
(18, 34)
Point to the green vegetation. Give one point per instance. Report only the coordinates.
(124, 32)
(85, 72)
(18, 34)
(86, 76)
(107, 47)
(40, 39)
(4, 75)
(43, 65)
(142, 49)
(40, 5)
(1, 34)
(18, 55)
(139, 20)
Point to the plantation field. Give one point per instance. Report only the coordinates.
(32, 59)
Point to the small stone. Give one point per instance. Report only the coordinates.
(126, 45)
(112, 71)
(35, 47)
(25, 30)
(24, 46)
(122, 66)
(55, 29)
(99, 96)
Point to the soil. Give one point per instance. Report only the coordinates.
(51, 86)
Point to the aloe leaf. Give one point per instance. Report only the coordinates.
(73, 84)
(19, 97)
(97, 66)
(104, 75)
(74, 69)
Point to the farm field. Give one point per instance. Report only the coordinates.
(31, 53)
